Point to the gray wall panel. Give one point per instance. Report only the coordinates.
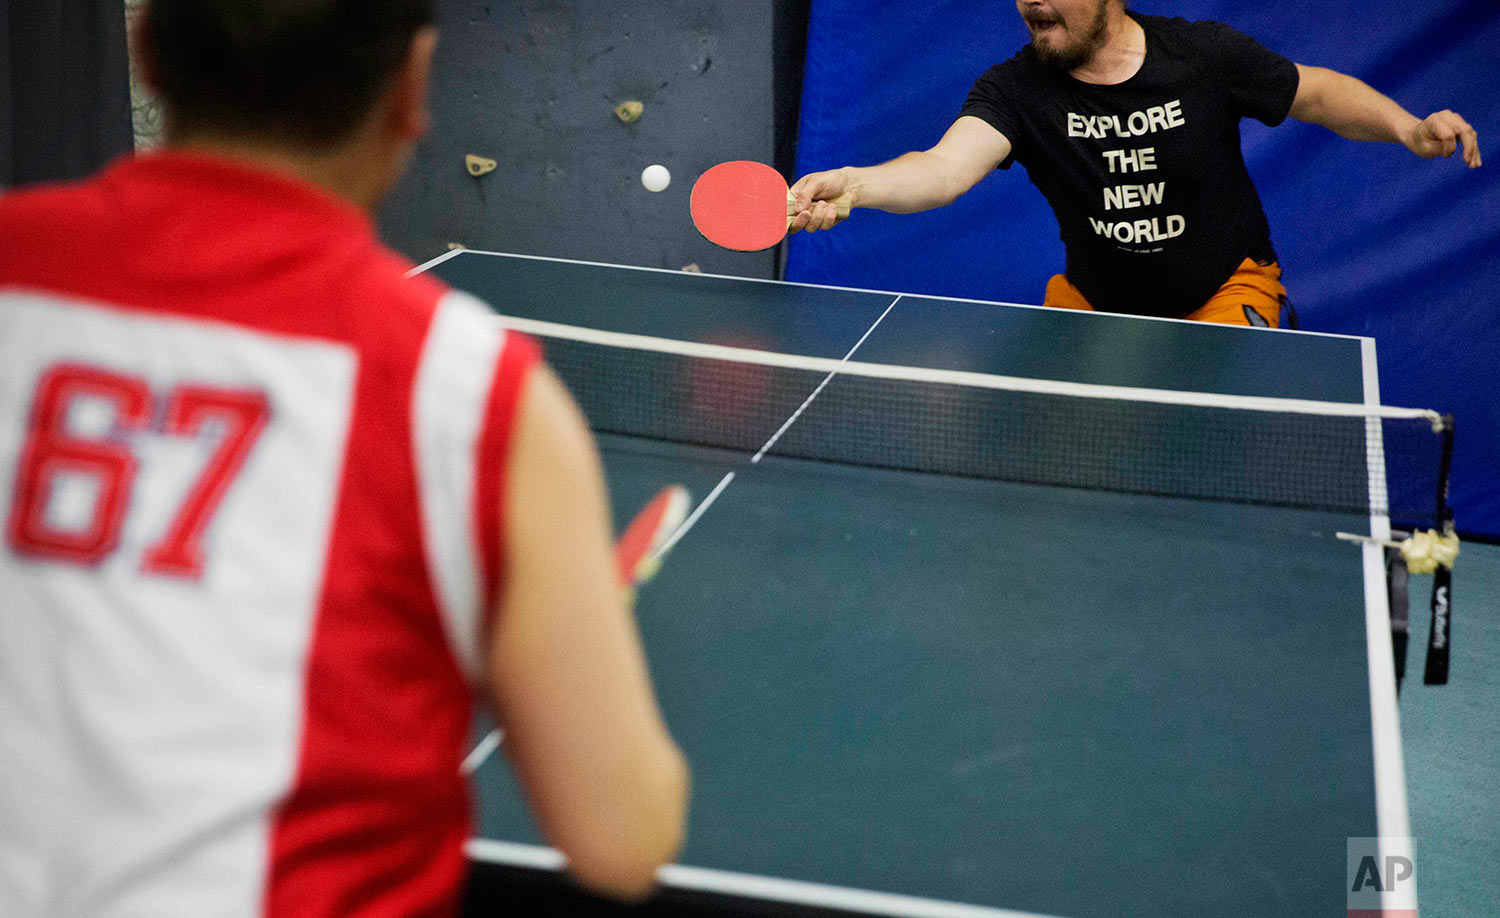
(533, 85)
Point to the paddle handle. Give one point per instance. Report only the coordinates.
(840, 203)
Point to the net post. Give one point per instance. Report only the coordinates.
(1440, 636)
(1396, 588)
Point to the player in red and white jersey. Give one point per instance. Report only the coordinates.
(275, 514)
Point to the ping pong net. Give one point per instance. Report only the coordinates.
(1280, 452)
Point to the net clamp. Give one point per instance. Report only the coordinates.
(1424, 551)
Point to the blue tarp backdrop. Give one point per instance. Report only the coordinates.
(1373, 240)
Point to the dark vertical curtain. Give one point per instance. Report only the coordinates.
(64, 88)
(788, 51)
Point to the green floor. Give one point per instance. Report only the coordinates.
(1452, 738)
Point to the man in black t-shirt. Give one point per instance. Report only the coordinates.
(1129, 126)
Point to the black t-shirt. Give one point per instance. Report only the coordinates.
(1146, 177)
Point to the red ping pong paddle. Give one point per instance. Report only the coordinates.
(638, 551)
(738, 205)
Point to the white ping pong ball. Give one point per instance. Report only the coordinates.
(656, 178)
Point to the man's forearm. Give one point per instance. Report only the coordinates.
(1351, 108)
(914, 182)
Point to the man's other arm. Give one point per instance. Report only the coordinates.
(1351, 108)
(920, 180)
(606, 783)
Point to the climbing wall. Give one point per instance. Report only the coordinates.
(570, 101)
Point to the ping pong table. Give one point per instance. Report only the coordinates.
(925, 695)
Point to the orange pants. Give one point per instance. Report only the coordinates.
(1253, 295)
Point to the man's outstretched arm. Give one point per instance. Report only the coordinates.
(922, 180)
(1351, 108)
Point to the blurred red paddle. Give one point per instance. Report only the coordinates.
(637, 552)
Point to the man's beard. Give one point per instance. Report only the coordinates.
(1075, 54)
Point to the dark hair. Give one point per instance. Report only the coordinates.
(305, 71)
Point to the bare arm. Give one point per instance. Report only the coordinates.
(604, 779)
(1352, 109)
(922, 180)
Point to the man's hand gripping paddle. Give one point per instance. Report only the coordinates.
(638, 554)
(739, 205)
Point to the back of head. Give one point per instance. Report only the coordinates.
(299, 72)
